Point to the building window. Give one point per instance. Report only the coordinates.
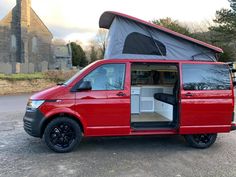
(137, 43)
(34, 45)
(13, 42)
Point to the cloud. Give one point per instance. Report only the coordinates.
(83, 38)
(5, 7)
(63, 31)
(75, 18)
(81, 35)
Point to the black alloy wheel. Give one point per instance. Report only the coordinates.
(201, 141)
(62, 134)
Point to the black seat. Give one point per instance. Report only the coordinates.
(168, 98)
(164, 97)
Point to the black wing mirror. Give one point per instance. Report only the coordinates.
(85, 85)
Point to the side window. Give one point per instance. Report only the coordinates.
(205, 77)
(107, 77)
(137, 43)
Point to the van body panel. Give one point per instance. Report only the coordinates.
(205, 111)
(56, 92)
(204, 129)
(107, 113)
(53, 108)
(108, 131)
(101, 115)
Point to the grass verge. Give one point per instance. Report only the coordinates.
(19, 77)
(54, 76)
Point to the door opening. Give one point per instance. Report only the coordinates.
(154, 95)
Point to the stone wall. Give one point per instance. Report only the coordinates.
(14, 67)
(6, 68)
(6, 54)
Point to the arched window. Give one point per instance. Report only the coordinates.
(13, 42)
(34, 45)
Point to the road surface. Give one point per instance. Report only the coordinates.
(167, 156)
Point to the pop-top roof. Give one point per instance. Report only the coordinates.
(107, 18)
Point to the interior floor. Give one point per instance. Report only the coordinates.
(148, 117)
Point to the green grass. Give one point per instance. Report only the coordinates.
(52, 75)
(17, 77)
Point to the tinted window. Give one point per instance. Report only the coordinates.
(169, 77)
(153, 74)
(107, 77)
(137, 43)
(205, 77)
(153, 77)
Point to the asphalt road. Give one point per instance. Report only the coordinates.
(167, 156)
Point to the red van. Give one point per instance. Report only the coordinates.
(147, 93)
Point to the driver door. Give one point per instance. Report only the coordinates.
(106, 107)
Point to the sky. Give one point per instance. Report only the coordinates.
(78, 19)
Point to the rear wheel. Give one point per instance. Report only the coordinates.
(201, 141)
(62, 134)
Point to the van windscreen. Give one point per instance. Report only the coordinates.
(206, 77)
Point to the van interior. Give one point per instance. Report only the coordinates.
(154, 95)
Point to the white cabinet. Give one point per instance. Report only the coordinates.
(142, 100)
(135, 100)
(164, 109)
(135, 90)
(147, 104)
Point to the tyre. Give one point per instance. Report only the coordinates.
(62, 134)
(201, 141)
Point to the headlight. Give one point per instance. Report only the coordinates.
(34, 104)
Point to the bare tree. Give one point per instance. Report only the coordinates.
(100, 40)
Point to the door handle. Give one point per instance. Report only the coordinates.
(188, 94)
(121, 94)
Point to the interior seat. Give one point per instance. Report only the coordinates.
(168, 98)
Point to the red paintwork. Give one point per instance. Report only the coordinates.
(206, 107)
(207, 111)
(107, 18)
(103, 113)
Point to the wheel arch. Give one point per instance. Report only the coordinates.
(61, 114)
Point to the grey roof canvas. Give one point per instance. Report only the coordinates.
(131, 38)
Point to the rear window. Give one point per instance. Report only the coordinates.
(205, 77)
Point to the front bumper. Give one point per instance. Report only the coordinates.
(33, 121)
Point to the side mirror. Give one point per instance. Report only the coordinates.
(85, 85)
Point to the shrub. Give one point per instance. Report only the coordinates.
(58, 76)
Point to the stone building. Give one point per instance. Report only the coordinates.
(62, 55)
(25, 41)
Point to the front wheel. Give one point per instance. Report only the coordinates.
(201, 141)
(62, 134)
